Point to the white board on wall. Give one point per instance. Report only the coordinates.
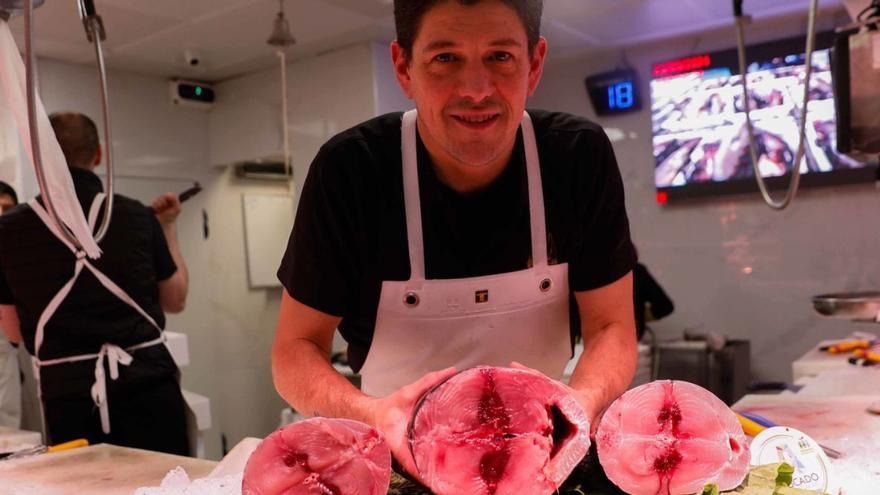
(268, 219)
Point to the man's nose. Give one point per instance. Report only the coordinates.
(475, 82)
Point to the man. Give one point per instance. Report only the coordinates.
(10, 381)
(448, 256)
(104, 372)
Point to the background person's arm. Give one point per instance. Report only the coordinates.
(172, 290)
(606, 368)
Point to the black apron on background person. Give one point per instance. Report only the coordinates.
(35, 266)
(137, 424)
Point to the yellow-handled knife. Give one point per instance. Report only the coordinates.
(73, 444)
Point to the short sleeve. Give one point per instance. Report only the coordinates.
(320, 267)
(604, 251)
(5, 292)
(163, 262)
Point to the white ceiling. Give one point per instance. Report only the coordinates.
(150, 36)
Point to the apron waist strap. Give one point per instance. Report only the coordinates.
(114, 355)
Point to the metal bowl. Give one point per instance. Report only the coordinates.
(858, 306)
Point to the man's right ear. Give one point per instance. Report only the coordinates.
(99, 155)
(401, 68)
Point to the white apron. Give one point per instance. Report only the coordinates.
(113, 354)
(427, 325)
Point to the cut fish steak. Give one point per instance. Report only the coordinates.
(671, 438)
(320, 456)
(498, 431)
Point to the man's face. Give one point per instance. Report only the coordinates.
(469, 74)
(6, 203)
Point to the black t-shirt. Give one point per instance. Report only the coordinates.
(34, 265)
(350, 229)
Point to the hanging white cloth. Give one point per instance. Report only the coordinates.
(13, 88)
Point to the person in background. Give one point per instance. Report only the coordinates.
(10, 375)
(649, 299)
(103, 369)
(8, 198)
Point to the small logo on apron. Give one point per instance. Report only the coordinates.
(481, 296)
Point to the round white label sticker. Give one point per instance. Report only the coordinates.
(812, 469)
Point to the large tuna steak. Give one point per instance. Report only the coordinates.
(671, 438)
(498, 431)
(320, 457)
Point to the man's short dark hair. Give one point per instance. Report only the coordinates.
(78, 137)
(9, 191)
(408, 15)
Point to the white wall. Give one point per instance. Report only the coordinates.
(827, 241)
(326, 95)
(151, 136)
(388, 95)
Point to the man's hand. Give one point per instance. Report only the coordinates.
(167, 208)
(391, 415)
(587, 400)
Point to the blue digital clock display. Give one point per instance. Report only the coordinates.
(620, 95)
(614, 92)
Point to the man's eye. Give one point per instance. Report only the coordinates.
(445, 58)
(502, 56)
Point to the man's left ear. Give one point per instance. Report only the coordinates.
(536, 66)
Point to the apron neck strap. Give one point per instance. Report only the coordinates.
(95, 209)
(536, 194)
(412, 202)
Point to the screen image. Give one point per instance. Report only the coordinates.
(700, 135)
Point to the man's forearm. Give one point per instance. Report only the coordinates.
(170, 231)
(306, 380)
(606, 368)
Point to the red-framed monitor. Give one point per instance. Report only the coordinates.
(700, 142)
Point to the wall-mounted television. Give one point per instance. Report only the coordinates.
(700, 135)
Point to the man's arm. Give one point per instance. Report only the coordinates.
(10, 323)
(607, 366)
(301, 366)
(305, 379)
(173, 290)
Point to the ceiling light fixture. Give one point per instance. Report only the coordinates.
(281, 36)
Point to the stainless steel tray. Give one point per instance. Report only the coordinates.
(857, 306)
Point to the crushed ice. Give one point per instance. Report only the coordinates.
(177, 482)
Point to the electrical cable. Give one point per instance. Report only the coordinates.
(95, 33)
(795, 169)
(94, 27)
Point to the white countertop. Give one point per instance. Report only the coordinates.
(816, 361)
(841, 423)
(95, 470)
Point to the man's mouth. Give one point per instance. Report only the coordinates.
(479, 121)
